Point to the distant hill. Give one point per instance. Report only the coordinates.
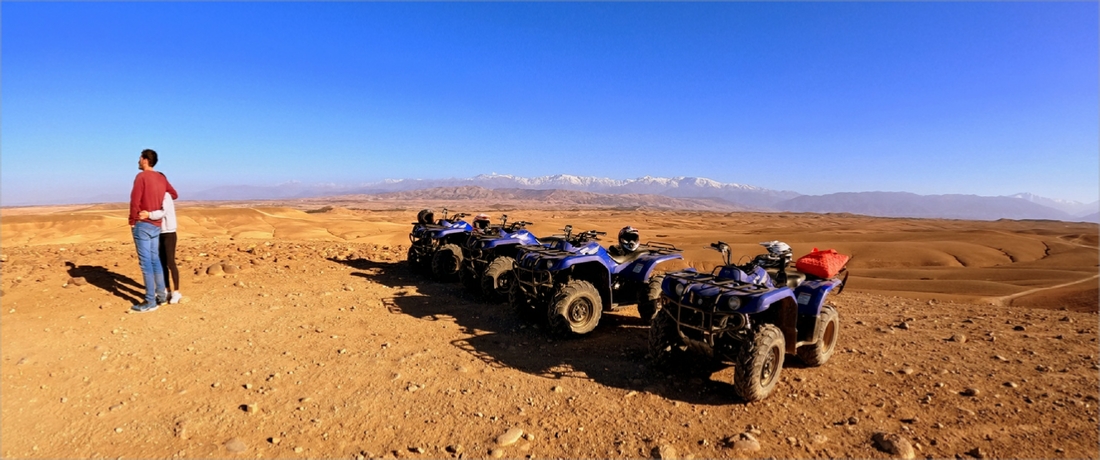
(1073, 208)
(1094, 218)
(903, 204)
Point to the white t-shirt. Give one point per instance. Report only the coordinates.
(168, 213)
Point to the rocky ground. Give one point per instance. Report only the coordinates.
(315, 349)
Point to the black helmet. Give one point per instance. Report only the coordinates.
(425, 216)
(628, 239)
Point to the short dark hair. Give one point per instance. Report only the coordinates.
(151, 155)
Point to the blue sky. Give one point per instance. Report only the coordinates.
(988, 98)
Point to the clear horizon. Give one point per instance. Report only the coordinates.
(933, 98)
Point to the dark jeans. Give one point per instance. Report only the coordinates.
(168, 260)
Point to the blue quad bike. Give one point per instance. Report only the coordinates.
(573, 279)
(489, 255)
(751, 315)
(437, 245)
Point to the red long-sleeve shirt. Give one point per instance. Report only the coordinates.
(148, 195)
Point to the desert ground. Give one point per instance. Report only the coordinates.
(302, 334)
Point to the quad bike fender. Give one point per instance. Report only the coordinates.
(761, 302)
(573, 261)
(524, 237)
(595, 272)
(447, 232)
(641, 268)
(810, 295)
(499, 243)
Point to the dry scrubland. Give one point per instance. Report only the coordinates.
(311, 339)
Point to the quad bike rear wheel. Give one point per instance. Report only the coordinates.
(756, 371)
(649, 296)
(664, 342)
(496, 282)
(446, 262)
(576, 309)
(819, 352)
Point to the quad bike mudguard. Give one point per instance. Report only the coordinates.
(641, 268)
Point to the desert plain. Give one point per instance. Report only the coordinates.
(302, 334)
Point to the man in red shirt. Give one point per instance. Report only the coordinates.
(148, 195)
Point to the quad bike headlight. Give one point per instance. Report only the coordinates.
(679, 289)
(733, 303)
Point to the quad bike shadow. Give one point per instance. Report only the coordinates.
(614, 355)
(119, 285)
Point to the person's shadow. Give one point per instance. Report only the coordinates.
(121, 286)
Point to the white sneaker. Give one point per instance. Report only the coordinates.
(176, 296)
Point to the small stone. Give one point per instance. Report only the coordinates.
(665, 452)
(236, 445)
(454, 448)
(416, 449)
(904, 325)
(496, 453)
(961, 338)
(556, 389)
(1019, 328)
(893, 444)
(274, 440)
(230, 269)
(298, 449)
(1011, 384)
(509, 437)
(819, 439)
(976, 452)
(906, 371)
(118, 430)
(970, 392)
(215, 270)
(746, 444)
(529, 436)
(853, 420)
(79, 281)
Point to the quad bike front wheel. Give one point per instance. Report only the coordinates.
(497, 279)
(664, 341)
(649, 296)
(819, 352)
(446, 262)
(576, 309)
(757, 369)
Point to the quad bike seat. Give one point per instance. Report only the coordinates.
(626, 258)
(795, 278)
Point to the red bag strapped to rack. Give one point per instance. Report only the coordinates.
(822, 264)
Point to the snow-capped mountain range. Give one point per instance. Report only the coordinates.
(678, 187)
(896, 204)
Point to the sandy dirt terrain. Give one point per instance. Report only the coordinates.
(311, 339)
